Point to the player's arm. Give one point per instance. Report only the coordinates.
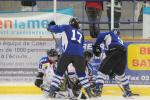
(39, 77)
(52, 27)
(100, 38)
(96, 46)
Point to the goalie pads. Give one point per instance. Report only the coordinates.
(96, 50)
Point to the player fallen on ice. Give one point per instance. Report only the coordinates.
(115, 62)
(46, 69)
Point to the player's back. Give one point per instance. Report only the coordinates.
(110, 39)
(116, 40)
(75, 41)
(72, 39)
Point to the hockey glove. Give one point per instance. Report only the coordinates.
(38, 82)
(39, 79)
(51, 23)
(96, 50)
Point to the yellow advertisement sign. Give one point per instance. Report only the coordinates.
(139, 56)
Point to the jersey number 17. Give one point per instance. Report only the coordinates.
(76, 36)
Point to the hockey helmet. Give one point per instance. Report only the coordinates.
(52, 53)
(88, 54)
(74, 22)
(116, 31)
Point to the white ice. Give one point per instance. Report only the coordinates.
(40, 97)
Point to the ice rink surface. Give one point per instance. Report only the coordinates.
(40, 97)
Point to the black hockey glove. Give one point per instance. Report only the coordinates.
(38, 82)
(51, 23)
(39, 79)
(96, 50)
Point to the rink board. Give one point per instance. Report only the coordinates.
(27, 73)
(108, 90)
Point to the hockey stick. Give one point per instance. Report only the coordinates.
(124, 94)
(56, 42)
(52, 33)
(55, 39)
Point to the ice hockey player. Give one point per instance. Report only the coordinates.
(72, 46)
(46, 68)
(91, 72)
(91, 67)
(115, 62)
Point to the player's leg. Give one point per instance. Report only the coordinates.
(79, 64)
(105, 69)
(63, 63)
(71, 82)
(119, 70)
(94, 15)
(101, 77)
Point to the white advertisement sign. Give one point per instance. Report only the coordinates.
(19, 58)
(146, 23)
(21, 43)
(29, 24)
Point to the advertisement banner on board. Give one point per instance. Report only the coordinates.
(19, 60)
(19, 57)
(31, 24)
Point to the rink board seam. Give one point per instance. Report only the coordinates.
(108, 90)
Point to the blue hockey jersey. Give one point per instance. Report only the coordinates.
(72, 39)
(109, 39)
